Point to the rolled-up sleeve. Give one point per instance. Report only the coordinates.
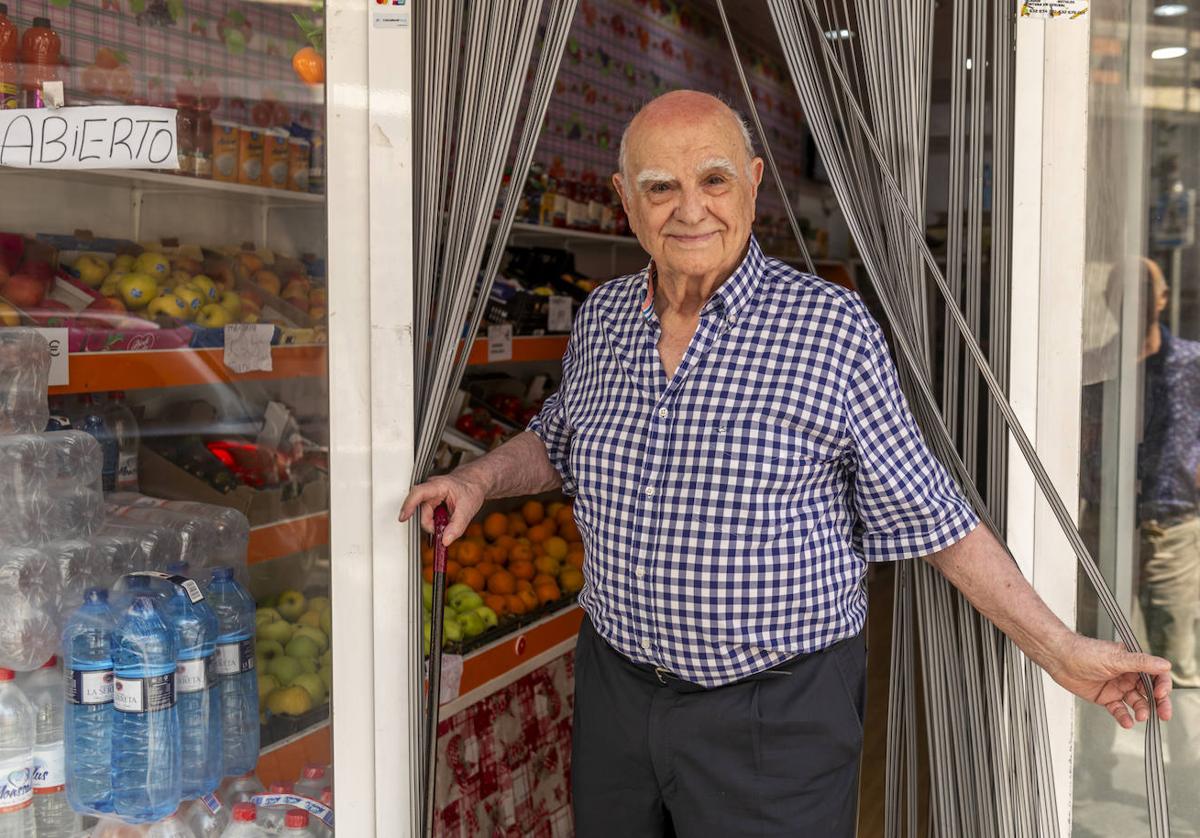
(907, 504)
(552, 425)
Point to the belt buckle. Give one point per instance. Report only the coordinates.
(661, 674)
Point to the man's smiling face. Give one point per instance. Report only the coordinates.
(689, 184)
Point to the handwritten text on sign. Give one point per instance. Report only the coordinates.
(99, 137)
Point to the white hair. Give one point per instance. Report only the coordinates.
(623, 153)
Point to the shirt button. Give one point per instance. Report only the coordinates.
(649, 491)
(640, 573)
(663, 413)
(732, 320)
(646, 643)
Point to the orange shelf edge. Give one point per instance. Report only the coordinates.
(283, 538)
(541, 348)
(283, 765)
(520, 646)
(94, 372)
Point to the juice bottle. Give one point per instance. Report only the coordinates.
(41, 49)
(10, 71)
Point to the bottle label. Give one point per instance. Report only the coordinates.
(211, 802)
(49, 770)
(144, 695)
(235, 656)
(85, 686)
(189, 585)
(16, 784)
(195, 675)
(295, 801)
(127, 470)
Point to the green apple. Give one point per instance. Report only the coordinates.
(207, 287)
(309, 665)
(319, 604)
(91, 269)
(490, 620)
(458, 589)
(266, 614)
(326, 673)
(302, 647)
(327, 622)
(466, 602)
(471, 622)
(154, 264)
(427, 595)
(268, 650)
(137, 290)
(326, 658)
(312, 682)
(285, 669)
(427, 634)
(280, 631)
(311, 619)
(316, 635)
(451, 630)
(213, 316)
(291, 605)
(266, 683)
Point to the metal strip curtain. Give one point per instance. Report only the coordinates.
(989, 759)
(473, 81)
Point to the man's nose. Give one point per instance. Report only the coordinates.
(693, 206)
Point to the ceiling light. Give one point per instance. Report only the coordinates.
(1170, 10)
(839, 34)
(1164, 53)
(968, 64)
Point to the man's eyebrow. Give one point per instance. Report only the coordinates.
(648, 176)
(721, 164)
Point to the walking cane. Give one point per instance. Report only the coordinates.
(441, 517)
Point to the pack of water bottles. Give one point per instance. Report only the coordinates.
(24, 374)
(162, 693)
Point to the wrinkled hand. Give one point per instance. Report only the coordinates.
(1104, 673)
(461, 497)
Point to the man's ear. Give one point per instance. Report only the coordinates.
(619, 185)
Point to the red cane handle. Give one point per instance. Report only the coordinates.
(441, 517)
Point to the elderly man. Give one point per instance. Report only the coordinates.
(739, 449)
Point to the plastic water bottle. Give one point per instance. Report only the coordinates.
(240, 789)
(235, 671)
(16, 760)
(203, 821)
(172, 826)
(87, 660)
(244, 825)
(51, 811)
(91, 420)
(312, 782)
(124, 427)
(319, 827)
(295, 824)
(270, 818)
(145, 739)
(195, 626)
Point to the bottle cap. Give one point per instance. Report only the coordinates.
(314, 772)
(7, 675)
(327, 797)
(50, 664)
(43, 22)
(296, 817)
(281, 788)
(244, 812)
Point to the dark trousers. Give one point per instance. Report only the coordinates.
(776, 755)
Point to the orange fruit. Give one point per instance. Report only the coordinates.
(562, 516)
(539, 533)
(309, 66)
(556, 547)
(516, 524)
(516, 604)
(427, 573)
(571, 580)
(505, 542)
(524, 585)
(522, 570)
(548, 592)
(520, 553)
(575, 557)
(452, 550)
(497, 603)
(550, 525)
(533, 512)
(487, 569)
(530, 598)
(542, 579)
(502, 582)
(474, 530)
(539, 550)
(494, 554)
(453, 571)
(469, 553)
(473, 577)
(568, 530)
(495, 525)
(426, 554)
(547, 565)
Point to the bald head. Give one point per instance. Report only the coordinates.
(683, 109)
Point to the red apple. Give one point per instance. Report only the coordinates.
(105, 313)
(38, 268)
(52, 313)
(24, 291)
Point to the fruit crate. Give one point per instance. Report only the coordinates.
(509, 626)
(277, 728)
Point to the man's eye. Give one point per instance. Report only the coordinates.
(659, 188)
(716, 180)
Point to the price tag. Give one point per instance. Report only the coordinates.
(499, 343)
(60, 363)
(559, 316)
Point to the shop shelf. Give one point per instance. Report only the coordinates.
(95, 372)
(536, 232)
(162, 182)
(516, 647)
(283, 761)
(270, 541)
(544, 348)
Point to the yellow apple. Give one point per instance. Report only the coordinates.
(137, 290)
(207, 287)
(232, 303)
(250, 318)
(213, 316)
(193, 298)
(91, 269)
(167, 304)
(154, 264)
(9, 315)
(124, 263)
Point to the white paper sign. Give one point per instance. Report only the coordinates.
(1069, 9)
(60, 360)
(558, 316)
(248, 346)
(499, 342)
(95, 137)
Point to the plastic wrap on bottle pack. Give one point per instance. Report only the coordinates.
(119, 553)
(170, 827)
(81, 565)
(198, 537)
(30, 607)
(160, 545)
(49, 488)
(24, 377)
(232, 527)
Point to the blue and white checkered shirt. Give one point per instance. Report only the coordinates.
(729, 513)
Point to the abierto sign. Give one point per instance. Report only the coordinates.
(94, 137)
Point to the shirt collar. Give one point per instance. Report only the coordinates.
(731, 297)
